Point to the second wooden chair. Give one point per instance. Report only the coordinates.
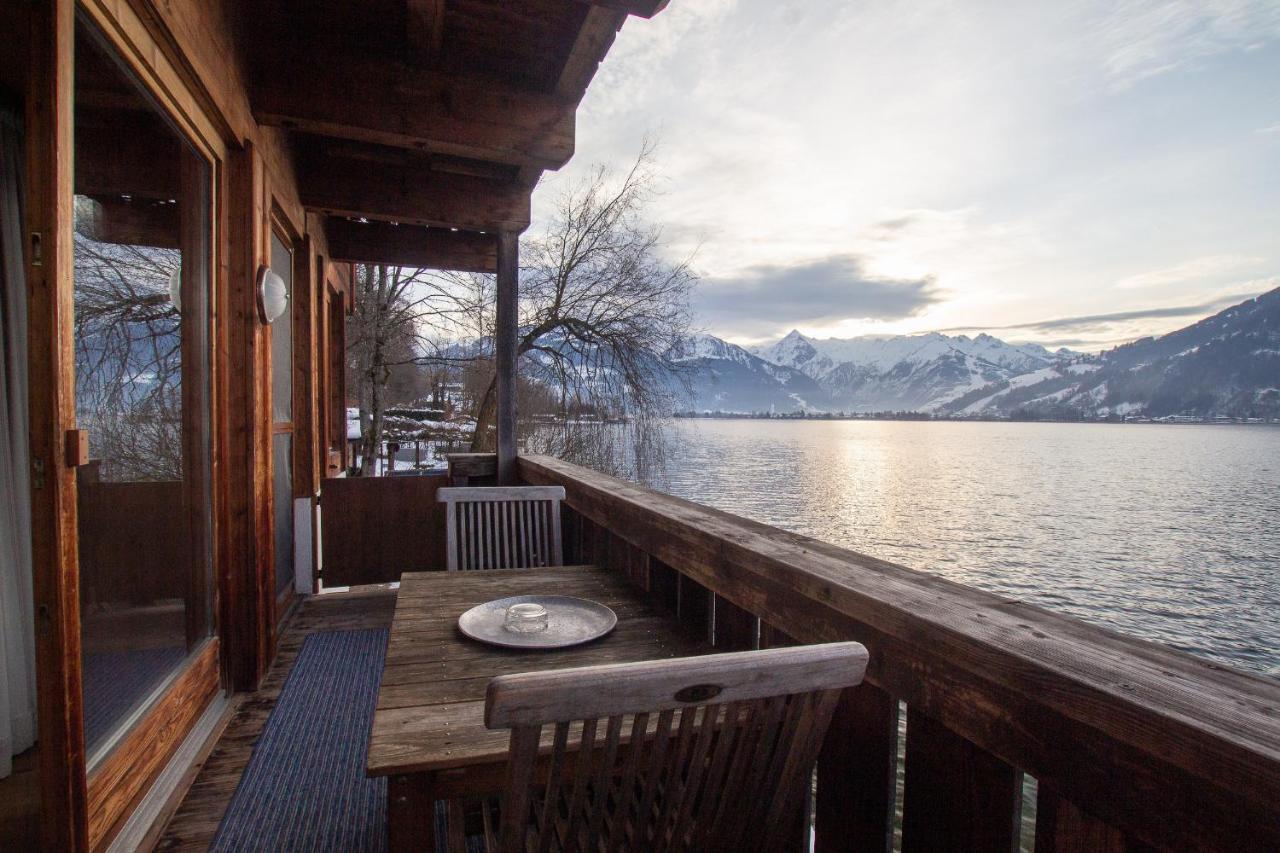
(502, 527)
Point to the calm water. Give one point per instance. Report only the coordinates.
(1171, 533)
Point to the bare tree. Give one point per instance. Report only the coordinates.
(399, 315)
(128, 350)
(601, 308)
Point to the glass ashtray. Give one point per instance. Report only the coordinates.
(526, 618)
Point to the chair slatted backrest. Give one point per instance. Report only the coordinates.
(502, 527)
(702, 753)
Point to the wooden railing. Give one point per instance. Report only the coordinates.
(1134, 746)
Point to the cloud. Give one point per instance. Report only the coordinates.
(766, 298)
(1145, 38)
(1087, 323)
(1198, 269)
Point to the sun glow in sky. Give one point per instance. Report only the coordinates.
(1072, 173)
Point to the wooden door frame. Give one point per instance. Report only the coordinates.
(73, 814)
(50, 269)
(279, 225)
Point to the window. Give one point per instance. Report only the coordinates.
(141, 339)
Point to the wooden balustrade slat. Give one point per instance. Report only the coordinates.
(1063, 827)
(571, 522)
(664, 583)
(957, 796)
(775, 638)
(693, 606)
(736, 629)
(857, 774)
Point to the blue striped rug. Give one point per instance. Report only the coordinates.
(305, 787)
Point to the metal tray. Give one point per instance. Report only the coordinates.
(570, 622)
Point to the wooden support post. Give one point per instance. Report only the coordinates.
(505, 355)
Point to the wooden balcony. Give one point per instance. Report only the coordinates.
(1132, 746)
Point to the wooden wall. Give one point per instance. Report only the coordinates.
(186, 55)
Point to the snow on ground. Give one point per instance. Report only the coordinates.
(1032, 378)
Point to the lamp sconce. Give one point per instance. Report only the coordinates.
(175, 288)
(273, 295)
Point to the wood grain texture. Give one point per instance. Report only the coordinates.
(248, 582)
(411, 245)
(1171, 749)
(611, 689)
(376, 528)
(731, 780)
(408, 107)
(1062, 827)
(956, 796)
(445, 728)
(50, 276)
(502, 527)
(120, 780)
(409, 190)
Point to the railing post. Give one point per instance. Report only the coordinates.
(505, 352)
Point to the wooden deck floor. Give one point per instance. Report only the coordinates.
(196, 820)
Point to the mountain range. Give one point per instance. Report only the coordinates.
(1227, 364)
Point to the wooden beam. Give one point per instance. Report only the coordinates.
(599, 28)
(411, 245)
(505, 344)
(136, 222)
(412, 193)
(595, 37)
(408, 107)
(424, 20)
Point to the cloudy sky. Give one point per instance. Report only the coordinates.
(1072, 173)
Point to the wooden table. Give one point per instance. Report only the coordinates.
(428, 731)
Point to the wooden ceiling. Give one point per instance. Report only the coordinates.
(426, 113)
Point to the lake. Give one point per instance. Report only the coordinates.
(1166, 532)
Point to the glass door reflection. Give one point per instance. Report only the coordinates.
(141, 237)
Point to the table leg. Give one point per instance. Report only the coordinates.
(411, 821)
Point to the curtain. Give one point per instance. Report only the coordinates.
(17, 624)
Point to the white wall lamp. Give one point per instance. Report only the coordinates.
(273, 295)
(175, 288)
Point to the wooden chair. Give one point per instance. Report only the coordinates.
(502, 527)
(705, 753)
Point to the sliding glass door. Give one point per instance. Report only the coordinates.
(141, 346)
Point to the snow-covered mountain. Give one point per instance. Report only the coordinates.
(904, 372)
(725, 377)
(881, 354)
(1225, 364)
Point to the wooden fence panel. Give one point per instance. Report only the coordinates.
(375, 528)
